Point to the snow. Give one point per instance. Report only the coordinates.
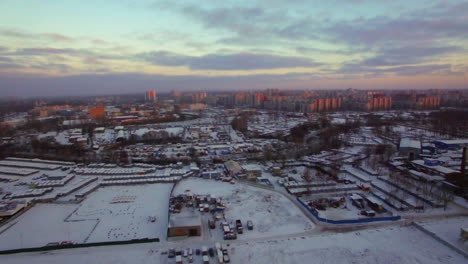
(127, 220)
(405, 245)
(393, 245)
(96, 219)
(271, 212)
(42, 224)
(449, 230)
(409, 143)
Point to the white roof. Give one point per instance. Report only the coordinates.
(410, 143)
(454, 141)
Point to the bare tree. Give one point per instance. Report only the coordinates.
(306, 175)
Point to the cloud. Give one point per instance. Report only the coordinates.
(100, 42)
(63, 68)
(8, 65)
(409, 70)
(434, 69)
(385, 30)
(45, 51)
(408, 55)
(5, 59)
(248, 23)
(259, 24)
(115, 83)
(83, 53)
(16, 33)
(58, 37)
(236, 61)
(131, 82)
(91, 60)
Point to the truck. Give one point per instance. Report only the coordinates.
(239, 227)
(220, 256)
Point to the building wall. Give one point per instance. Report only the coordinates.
(150, 95)
(183, 231)
(97, 112)
(379, 103)
(325, 104)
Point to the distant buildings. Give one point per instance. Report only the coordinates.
(379, 102)
(325, 104)
(150, 96)
(416, 101)
(427, 102)
(197, 97)
(97, 112)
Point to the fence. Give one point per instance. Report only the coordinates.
(347, 221)
(255, 184)
(96, 244)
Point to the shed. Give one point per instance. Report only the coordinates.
(410, 148)
(187, 223)
(233, 168)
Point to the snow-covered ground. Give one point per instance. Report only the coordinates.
(449, 230)
(405, 245)
(392, 245)
(123, 212)
(108, 214)
(42, 224)
(271, 213)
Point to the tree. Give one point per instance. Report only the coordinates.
(308, 179)
(240, 123)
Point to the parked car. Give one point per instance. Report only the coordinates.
(204, 251)
(239, 227)
(249, 225)
(171, 253)
(212, 224)
(211, 252)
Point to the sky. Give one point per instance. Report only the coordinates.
(56, 48)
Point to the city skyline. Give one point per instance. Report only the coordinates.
(101, 47)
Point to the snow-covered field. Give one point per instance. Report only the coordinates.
(405, 245)
(449, 230)
(123, 212)
(108, 214)
(392, 245)
(42, 224)
(271, 213)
